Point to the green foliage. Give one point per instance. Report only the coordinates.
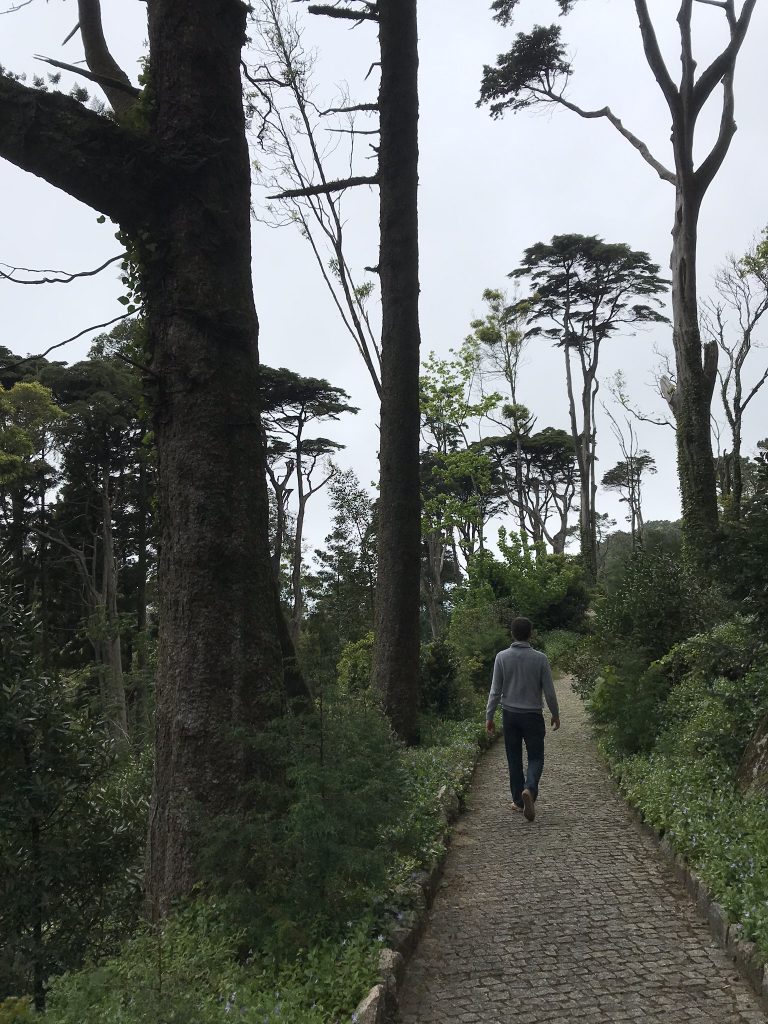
(675, 734)
(16, 1010)
(195, 968)
(629, 699)
(72, 822)
(744, 554)
(442, 690)
(446, 757)
(215, 958)
(478, 630)
(724, 836)
(559, 645)
(548, 589)
(616, 549)
(651, 608)
(534, 65)
(307, 853)
(355, 665)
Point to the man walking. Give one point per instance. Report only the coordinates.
(521, 676)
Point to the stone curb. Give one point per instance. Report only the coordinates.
(748, 959)
(382, 998)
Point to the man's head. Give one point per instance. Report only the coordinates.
(521, 629)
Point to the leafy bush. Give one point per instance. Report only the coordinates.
(307, 854)
(744, 553)
(685, 785)
(548, 589)
(629, 699)
(560, 646)
(723, 835)
(194, 970)
(16, 1010)
(445, 691)
(203, 966)
(356, 665)
(477, 632)
(72, 821)
(651, 608)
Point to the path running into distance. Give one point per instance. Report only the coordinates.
(574, 917)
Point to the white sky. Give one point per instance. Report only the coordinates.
(489, 189)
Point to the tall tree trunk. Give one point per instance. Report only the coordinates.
(116, 709)
(297, 609)
(178, 182)
(219, 662)
(696, 376)
(396, 650)
(737, 476)
(141, 710)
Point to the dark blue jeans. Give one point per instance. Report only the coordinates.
(524, 727)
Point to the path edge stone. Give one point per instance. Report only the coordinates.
(747, 958)
(382, 999)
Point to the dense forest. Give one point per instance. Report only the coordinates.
(221, 742)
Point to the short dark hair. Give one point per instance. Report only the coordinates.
(521, 628)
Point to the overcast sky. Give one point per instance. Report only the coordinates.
(489, 189)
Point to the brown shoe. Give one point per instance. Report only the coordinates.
(529, 810)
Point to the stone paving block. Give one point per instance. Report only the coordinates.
(575, 917)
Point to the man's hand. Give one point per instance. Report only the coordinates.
(555, 723)
(490, 728)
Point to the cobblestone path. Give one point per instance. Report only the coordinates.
(571, 918)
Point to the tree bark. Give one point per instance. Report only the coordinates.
(116, 712)
(396, 650)
(219, 662)
(182, 190)
(695, 378)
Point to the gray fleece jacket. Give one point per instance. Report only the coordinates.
(521, 677)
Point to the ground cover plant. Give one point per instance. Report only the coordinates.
(675, 706)
(340, 870)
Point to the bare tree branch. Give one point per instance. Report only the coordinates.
(725, 61)
(655, 59)
(327, 188)
(105, 83)
(343, 12)
(62, 276)
(711, 165)
(116, 85)
(17, 7)
(606, 112)
(351, 109)
(59, 344)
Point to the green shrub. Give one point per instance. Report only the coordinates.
(629, 700)
(309, 852)
(356, 665)
(691, 743)
(478, 630)
(650, 610)
(548, 589)
(16, 1010)
(72, 821)
(445, 690)
(560, 646)
(194, 970)
(723, 835)
(203, 966)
